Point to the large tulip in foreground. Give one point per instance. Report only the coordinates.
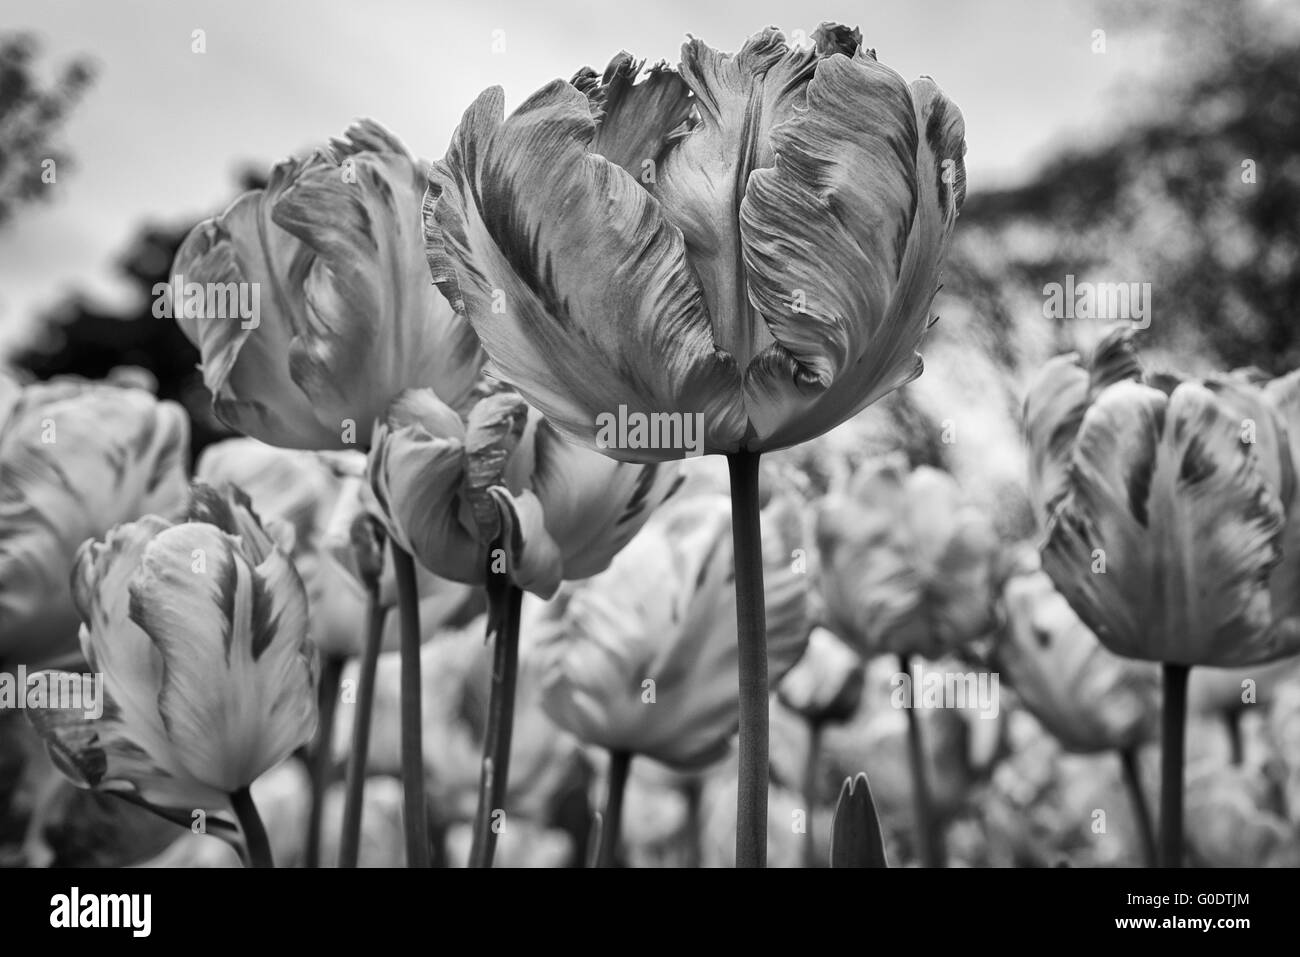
(750, 243)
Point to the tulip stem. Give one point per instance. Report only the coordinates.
(1172, 724)
(350, 841)
(1232, 719)
(751, 634)
(810, 791)
(331, 674)
(417, 821)
(694, 826)
(929, 840)
(250, 822)
(504, 601)
(611, 822)
(1128, 759)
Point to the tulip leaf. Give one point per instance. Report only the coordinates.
(856, 840)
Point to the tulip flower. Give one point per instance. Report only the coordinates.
(755, 237)
(199, 629)
(329, 253)
(1089, 698)
(733, 257)
(1176, 538)
(641, 659)
(76, 458)
(450, 487)
(906, 566)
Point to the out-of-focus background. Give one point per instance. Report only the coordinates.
(1136, 142)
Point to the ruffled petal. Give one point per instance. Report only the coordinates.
(637, 114)
(702, 181)
(885, 357)
(246, 366)
(570, 274)
(374, 325)
(825, 229)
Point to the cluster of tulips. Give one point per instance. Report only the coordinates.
(754, 239)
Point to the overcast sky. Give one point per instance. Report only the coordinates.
(163, 129)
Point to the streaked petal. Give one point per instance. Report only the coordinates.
(594, 504)
(570, 274)
(374, 325)
(825, 229)
(237, 693)
(636, 113)
(247, 369)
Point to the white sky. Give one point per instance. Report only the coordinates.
(163, 129)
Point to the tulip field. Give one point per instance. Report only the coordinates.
(672, 463)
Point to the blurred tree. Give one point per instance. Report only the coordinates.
(1200, 197)
(30, 115)
(78, 338)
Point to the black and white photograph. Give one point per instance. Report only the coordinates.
(665, 435)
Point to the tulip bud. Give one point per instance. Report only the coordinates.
(856, 840)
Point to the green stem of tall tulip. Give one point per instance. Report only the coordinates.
(751, 634)
(620, 762)
(408, 605)
(810, 791)
(1173, 721)
(1128, 759)
(354, 801)
(250, 822)
(929, 839)
(504, 600)
(331, 674)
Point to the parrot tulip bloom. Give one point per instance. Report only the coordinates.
(755, 238)
(1089, 698)
(200, 631)
(449, 489)
(1170, 541)
(905, 566)
(347, 316)
(642, 658)
(76, 458)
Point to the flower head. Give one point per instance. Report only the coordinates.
(76, 458)
(642, 658)
(1174, 531)
(500, 491)
(346, 315)
(754, 238)
(906, 566)
(199, 629)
